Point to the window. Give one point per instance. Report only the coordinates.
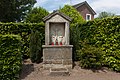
(88, 17)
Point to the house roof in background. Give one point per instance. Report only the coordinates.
(54, 13)
(84, 3)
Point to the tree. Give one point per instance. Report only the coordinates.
(14, 10)
(105, 14)
(73, 14)
(36, 15)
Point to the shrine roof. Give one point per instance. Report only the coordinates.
(56, 13)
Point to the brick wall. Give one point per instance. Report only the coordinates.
(83, 10)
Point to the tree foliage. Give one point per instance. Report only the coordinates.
(73, 14)
(14, 10)
(36, 15)
(105, 14)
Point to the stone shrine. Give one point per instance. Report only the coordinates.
(57, 52)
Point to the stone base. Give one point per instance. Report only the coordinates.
(54, 55)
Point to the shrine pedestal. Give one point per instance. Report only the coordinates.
(57, 55)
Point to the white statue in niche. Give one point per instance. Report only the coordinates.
(58, 40)
(54, 38)
(57, 35)
(61, 40)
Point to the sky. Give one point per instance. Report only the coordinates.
(112, 6)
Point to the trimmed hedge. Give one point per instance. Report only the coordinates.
(24, 30)
(90, 56)
(10, 57)
(103, 35)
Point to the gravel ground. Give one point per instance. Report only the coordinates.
(32, 71)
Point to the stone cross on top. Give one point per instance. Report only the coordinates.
(57, 29)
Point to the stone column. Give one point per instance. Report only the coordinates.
(47, 33)
(67, 33)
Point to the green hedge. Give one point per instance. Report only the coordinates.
(10, 57)
(90, 56)
(24, 30)
(103, 35)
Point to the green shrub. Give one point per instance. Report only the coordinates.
(10, 57)
(89, 56)
(36, 40)
(74, 40)
(24, 30)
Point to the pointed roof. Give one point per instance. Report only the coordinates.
(84, 3)
(55, 13)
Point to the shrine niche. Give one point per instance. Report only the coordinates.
(57, 50)
(57, 33)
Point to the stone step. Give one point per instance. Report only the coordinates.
(59, 71)
(58, 66)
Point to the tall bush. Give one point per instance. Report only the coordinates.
(10, 57)
(36, 40)
(103, 34)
